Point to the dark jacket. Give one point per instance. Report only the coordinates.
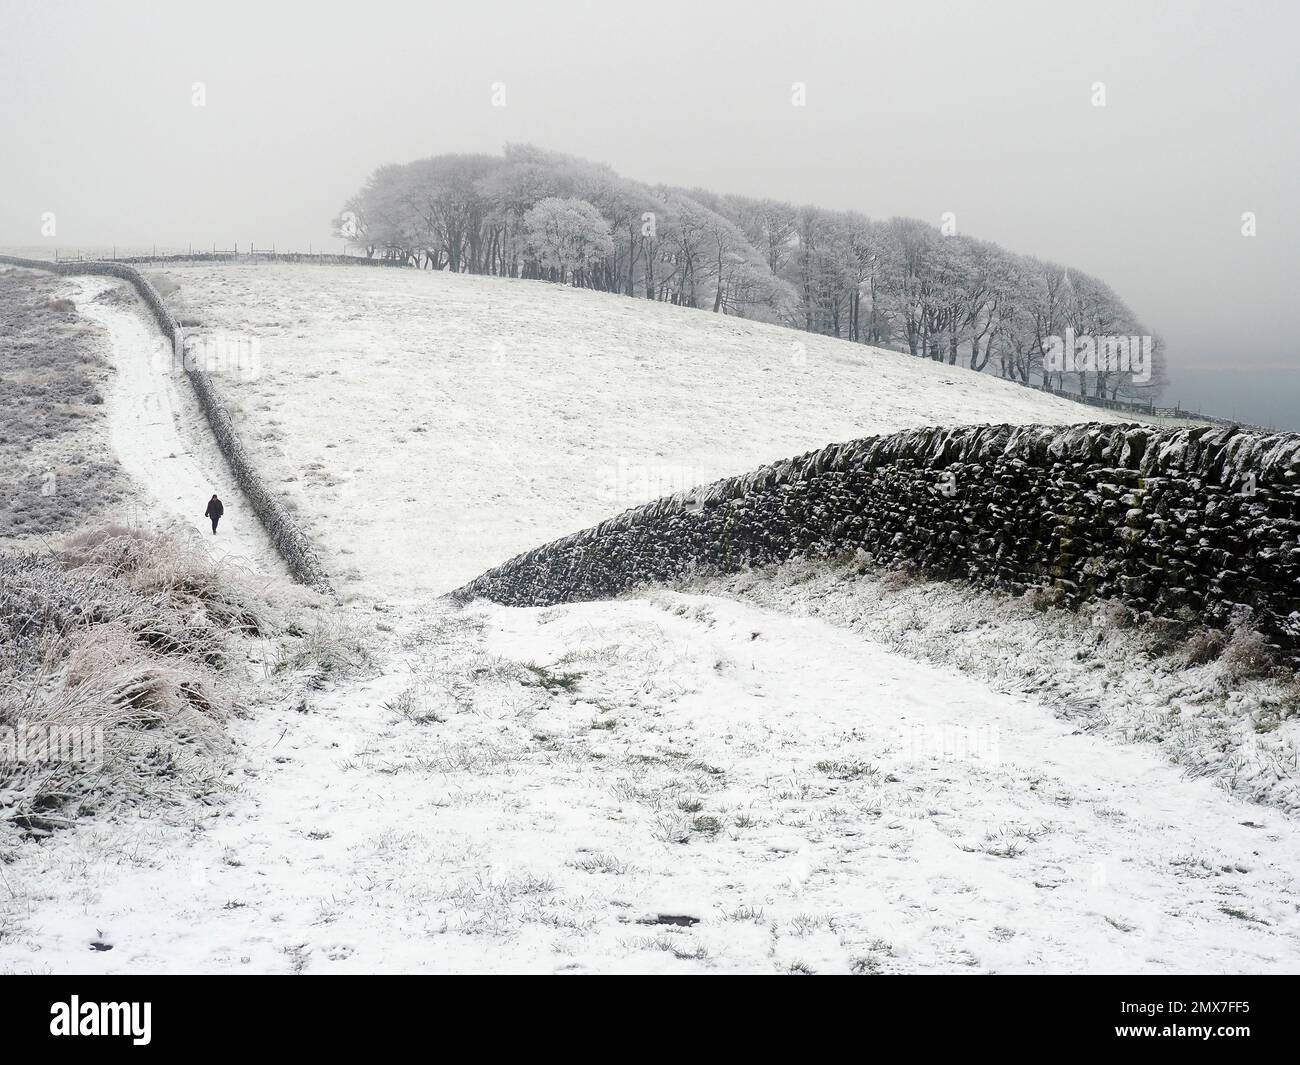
(215, 509)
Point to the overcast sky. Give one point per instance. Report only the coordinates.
(913, 108)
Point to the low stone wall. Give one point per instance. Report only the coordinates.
(1169, 521)
(293, 544)
(202, 257)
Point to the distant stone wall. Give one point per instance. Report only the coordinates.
(293, 544)
(201, 258)
(1166, 520)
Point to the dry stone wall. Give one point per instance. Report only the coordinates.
(1185, 523)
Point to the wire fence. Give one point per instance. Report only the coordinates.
(1149, 408)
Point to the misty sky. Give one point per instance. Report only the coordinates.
(913, 108)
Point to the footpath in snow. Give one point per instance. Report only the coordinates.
(681, 784)
(161, 438)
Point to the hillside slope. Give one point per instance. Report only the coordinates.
(428, 425)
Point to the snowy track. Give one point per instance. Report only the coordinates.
(161, 438)
(538, 789)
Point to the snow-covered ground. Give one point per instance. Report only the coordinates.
(1088, 667)
(430, 425)
(671, 782)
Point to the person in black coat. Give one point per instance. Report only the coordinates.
(214, 511)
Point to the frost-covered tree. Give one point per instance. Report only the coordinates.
(768, 225)
(567, 236)
(913, 247)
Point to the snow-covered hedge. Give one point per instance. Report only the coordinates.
(1192, 523)
(290, 540)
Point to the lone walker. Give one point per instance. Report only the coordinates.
(214, 511)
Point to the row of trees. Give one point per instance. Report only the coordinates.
(533, 213)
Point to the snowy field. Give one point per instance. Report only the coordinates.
(686, 781)
(677, 784)
(430, 425)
